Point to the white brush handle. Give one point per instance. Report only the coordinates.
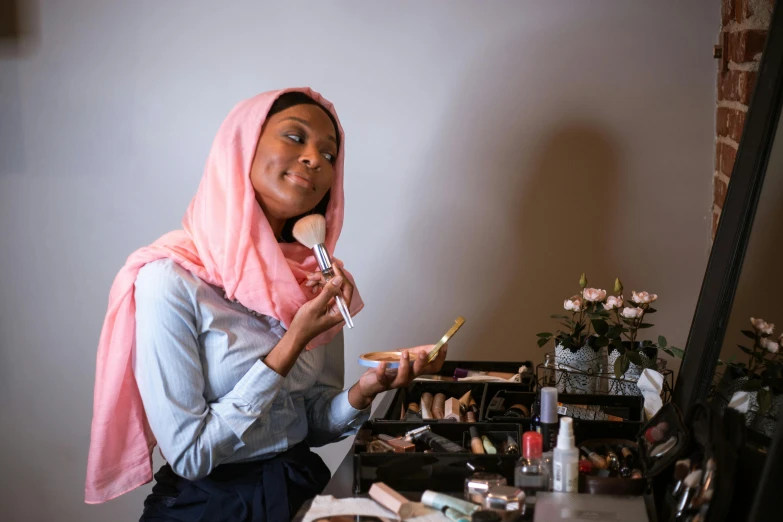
(344, 310)
(325, 264)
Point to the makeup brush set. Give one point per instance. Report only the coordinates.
(611, 467)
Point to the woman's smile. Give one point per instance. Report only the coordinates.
(301, 180)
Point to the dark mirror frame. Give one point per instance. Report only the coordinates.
(713, 307)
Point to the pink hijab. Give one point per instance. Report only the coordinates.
(226, 241)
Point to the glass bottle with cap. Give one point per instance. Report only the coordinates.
(530, 474)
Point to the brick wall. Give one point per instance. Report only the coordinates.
(745, 24)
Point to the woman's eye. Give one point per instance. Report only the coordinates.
(294, 137)
(328, 156)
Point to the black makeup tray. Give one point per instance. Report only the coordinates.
(457, 389)
(628, 407)
(415, 472)
(420, 471)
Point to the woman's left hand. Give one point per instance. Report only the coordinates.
(316, 281)
(380, 379)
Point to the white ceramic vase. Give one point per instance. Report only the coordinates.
(579, 369)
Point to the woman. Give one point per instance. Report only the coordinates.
(222, 342)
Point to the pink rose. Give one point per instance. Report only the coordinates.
(631, 313)
(770, 346)
(573, 304)
(643, 297)
(762, 326)
(613, 302)
(594, 295)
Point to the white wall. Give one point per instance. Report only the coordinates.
(495, 150)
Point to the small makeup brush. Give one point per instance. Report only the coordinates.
(311, 232)
(681, 470)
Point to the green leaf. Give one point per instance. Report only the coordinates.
(765, 401)
(645, 325)
(749, 333)
(662, 341)
(669, 352)
(544, 334)
(542, 341)
(559, 317)
(601, 342)
(746, 350)
(651, 310)
(751, 386)
(634, 357)
(678, 352)
(621, 366)
(601, 327)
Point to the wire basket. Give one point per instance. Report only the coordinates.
(722, 392)
(564, 377)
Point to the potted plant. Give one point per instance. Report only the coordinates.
(577, 348)
(761, 376)
(619, 324)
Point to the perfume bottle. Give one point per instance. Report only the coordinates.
(566, 464)
(530, 474)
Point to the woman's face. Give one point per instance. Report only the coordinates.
(294, 163)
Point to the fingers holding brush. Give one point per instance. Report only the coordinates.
(347, 288)
(319, 314)
(315, 281)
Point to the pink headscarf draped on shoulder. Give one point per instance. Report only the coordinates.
(226, 241)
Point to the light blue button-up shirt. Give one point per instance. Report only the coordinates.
(209, 397)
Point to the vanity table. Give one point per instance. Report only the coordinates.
(754, 483)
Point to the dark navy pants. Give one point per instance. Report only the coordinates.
(270, 490)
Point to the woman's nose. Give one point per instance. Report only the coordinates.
(311, 158)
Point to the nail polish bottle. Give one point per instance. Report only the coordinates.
(530, 474)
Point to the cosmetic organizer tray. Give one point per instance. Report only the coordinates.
(629, 407)
(458, 388)
(442, 471)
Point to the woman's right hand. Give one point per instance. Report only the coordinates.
(318, 315)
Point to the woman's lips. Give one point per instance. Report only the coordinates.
(300, 179)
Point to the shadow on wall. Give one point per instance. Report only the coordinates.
(19, 38)
(522, 225)
(559, 233)
(19, 27)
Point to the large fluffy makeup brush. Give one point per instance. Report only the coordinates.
(311, 232)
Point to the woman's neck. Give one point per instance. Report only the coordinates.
(277, 225)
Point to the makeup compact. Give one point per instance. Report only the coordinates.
(392, 358)
(479, 484)
(505, 498)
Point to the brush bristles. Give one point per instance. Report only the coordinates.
(682, 469)
(693, 479)
(310, 230)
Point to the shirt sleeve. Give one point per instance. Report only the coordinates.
(330, 416)
(194, 436)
